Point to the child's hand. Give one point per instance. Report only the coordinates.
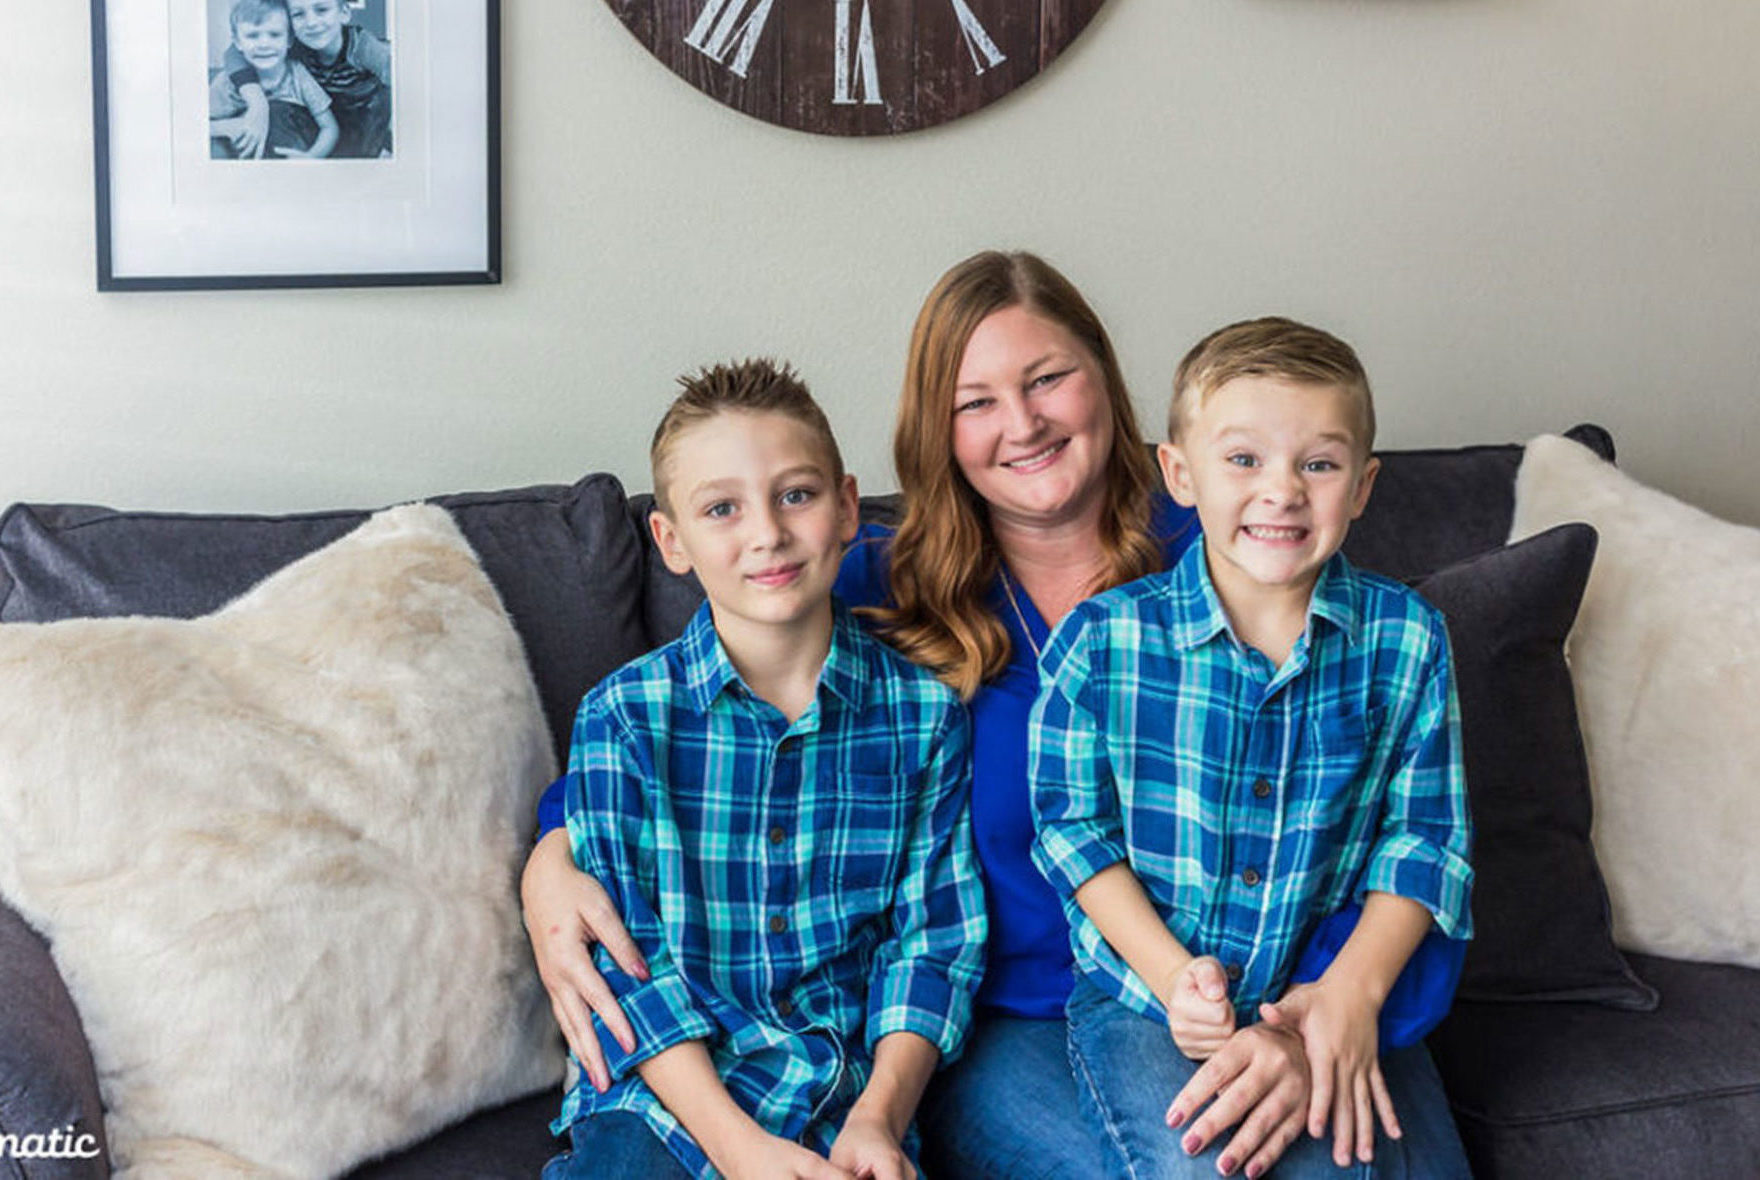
(1337, 1025)
(253, 130)
(867, 1148)
(288, 153)
(769, 1157)
(1198, 1012)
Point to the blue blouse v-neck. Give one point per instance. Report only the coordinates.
(1030, 964)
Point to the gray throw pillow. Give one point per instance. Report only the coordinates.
(1540, 912)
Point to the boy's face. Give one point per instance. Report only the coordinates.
(263, 43)
(1275, 470)
(318, 23)
(754, 509)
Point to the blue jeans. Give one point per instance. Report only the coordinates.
(1006, 1110)
(614, 1146)
(1128, 1071)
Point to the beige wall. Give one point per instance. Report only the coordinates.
(1525, 213)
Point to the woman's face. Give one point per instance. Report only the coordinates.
(1032, 426)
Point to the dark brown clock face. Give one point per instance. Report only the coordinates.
(855, 67)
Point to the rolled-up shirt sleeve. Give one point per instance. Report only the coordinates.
(927, 973)
(1075, 805)
(612, 833)
(1425, 842)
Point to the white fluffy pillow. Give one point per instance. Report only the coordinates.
(1666, 659)
(275, 851)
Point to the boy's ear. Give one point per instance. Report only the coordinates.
(1365, 484)
(849, 509)
(1176, 473)
(665, 535)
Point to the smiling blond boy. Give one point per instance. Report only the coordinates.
(1227, 754)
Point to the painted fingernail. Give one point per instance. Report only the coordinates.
(1191, 1143)
(1227, 1165)
(1175, 1117)
(1255, 1170)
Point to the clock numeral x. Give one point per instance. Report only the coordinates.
(723, 20)
(861, 63)
(978, 43)
(728, 32)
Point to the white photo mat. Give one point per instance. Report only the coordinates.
(171, 216)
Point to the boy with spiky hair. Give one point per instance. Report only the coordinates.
(777, 804)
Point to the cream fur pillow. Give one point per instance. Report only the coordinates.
(1666, 659)
(275, 851)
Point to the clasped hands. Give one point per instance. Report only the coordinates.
(1311, 1063)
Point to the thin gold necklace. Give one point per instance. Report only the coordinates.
(1008, 589)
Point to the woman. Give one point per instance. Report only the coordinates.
(1026, 489)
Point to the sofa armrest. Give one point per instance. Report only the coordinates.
(51, 1118)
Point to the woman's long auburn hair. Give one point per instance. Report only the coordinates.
(944, 555)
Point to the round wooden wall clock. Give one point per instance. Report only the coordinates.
(855, 67)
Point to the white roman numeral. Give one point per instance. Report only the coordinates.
(720, 22)
(978, 43)
(862, 63)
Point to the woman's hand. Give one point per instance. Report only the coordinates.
(567, 911)
(1337, 1026)
(1258, 1080)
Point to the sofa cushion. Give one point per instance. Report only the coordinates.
(1557, 1090)
(1666, 654)
(1432, 508)
(511, 1142)
(1540, 918)
(48, 1084)
(274, 852)
(565, 561)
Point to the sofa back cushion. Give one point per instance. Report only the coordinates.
(1433, 508)
(564, 559)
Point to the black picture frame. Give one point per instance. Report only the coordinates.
(170, 217)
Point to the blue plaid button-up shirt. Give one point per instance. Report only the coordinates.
(1250, 801)
(799, 890)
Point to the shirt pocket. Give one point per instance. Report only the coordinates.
(861, 826)
(1337, 758)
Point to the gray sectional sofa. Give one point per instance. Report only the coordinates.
(1562, 1058)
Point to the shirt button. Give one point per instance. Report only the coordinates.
(1233, 971)
(1251, 877)
(778, 923)
(777, 835)
(1261, 789)
(785, 1007)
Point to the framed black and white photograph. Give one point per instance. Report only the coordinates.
(296, 143)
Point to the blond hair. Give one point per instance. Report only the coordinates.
(754, 386)
(1271, 347)
(944, 556)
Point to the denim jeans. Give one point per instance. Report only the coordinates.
(614, 1146)
(1006, 1110)
(1128, 1071)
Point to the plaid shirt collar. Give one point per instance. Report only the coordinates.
(712, 673)
(1198, 616)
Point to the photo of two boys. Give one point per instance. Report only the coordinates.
(299, 79)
